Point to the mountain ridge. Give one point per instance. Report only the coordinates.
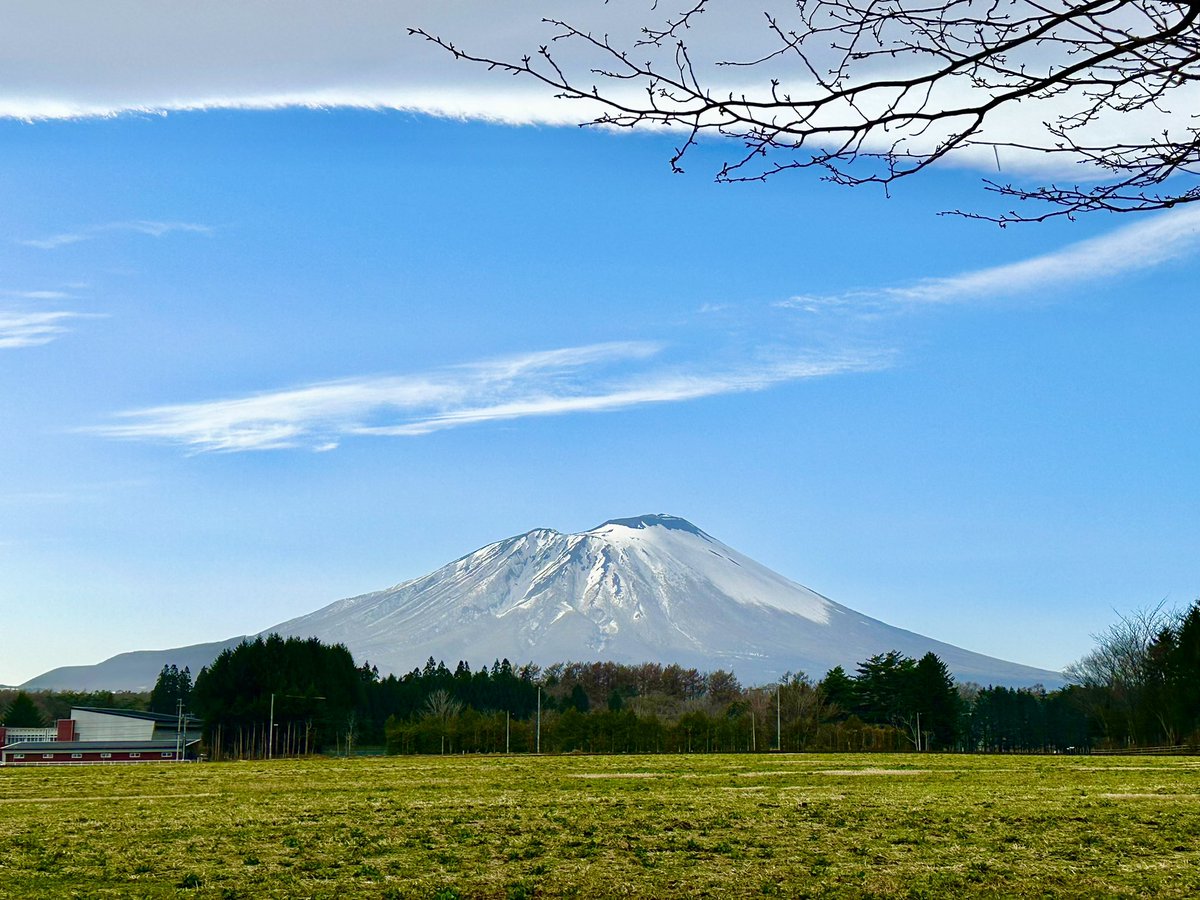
(651, 588)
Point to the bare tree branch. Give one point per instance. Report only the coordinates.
(880, 90)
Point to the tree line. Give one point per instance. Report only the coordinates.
(1141, 684)
(324, 703)
(41, 709)
(889, 703)
(1139, 687)
(273, 696)
(278, 697)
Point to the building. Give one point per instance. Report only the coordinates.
(57, 753)
(93, 735)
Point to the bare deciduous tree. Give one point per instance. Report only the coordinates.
(442, 706)
(874, 92)
(1118, 674)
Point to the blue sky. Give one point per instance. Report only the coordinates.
(253, 360)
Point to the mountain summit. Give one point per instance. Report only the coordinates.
(653, 588)
(649, 588)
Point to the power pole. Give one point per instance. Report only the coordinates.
(271, 731)
(507, 736)
(179, 743)
(539, 720)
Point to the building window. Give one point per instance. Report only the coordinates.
(135, 756)
(47, 756)
(18, 756)
(76, 756)
(106, 756)
(167, 755)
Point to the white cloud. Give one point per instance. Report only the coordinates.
(27, 328)
(36, 295)
(1145, 244)
(660, 387)
(77, 58)
(1142, 245)
(149, 228)
(593, 378)
(73, 58)
(618, 375)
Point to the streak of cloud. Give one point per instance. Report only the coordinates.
(1146, 244)
(36, 295)
(25, 328)
(149, 228)
(592, 378)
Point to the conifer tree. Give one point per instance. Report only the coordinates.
(23, 713)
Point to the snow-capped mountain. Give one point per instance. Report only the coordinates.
(649, 589)
(652, 588)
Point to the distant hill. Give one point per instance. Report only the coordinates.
(648, 589)
(134, 671)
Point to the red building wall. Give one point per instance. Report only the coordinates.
(64, 757)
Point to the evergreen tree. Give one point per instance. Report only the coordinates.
(840, 692)
(937, 701)
(579, 699)
(1180, 666)
(317, 691)
(172, 686)
(23, 713)
(886, 688)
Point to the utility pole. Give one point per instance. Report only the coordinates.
(507, 734)
(918, 732)
(179, 742)
(539, 720)
(271, 731)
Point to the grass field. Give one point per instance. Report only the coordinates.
(643, 826)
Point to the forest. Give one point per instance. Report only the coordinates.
(889, 703)
(1139, 687)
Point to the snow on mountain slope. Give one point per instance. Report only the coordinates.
(651, 588)
(647, 589)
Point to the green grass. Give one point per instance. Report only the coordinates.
(641, 826)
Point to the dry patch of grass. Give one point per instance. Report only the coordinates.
(842, 773)
(1151, 796)
(653, 826)
(108, 798)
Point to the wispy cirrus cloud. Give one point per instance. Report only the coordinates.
(24, 322)
(32, 328)
(36, 295)
(146, 227)
(592, 378)
(1143, 245)
(620, 375)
